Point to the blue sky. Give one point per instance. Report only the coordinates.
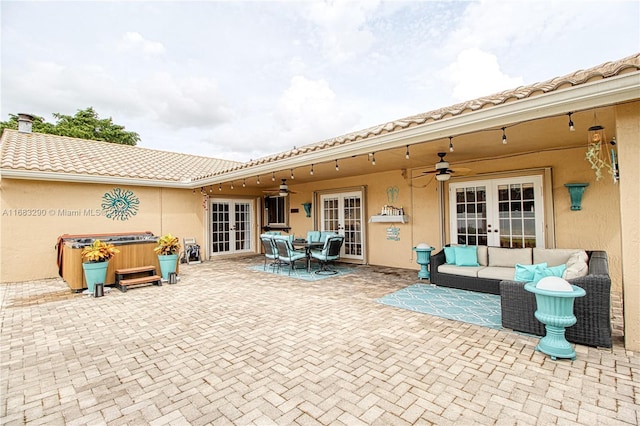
(240, 80)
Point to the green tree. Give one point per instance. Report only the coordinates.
(86, 124)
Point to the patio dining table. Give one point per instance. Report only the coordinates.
(307, 245)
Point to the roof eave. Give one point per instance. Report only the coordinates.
(619, 89)
(109, 180)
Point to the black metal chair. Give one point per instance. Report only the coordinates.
(329, 254)
(270, 251)
(287, 254)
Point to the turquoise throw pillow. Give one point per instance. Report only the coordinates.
(554, 271)
(466, 256)
(450, 255)
(526, 273)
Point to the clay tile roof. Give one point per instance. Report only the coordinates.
(37, 152)
(606, 70)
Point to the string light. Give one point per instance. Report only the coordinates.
(571, 126)
(244, 183)
(373, 159)
(450, 143)
(311, 171)
(231, 185)
(219, 187)
(292, 174)
(273, 176)
(406, 154)
(258, 180)
(337, 168)
(504, 136)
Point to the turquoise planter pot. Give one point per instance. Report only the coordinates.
(555, 311)
(95, 273)
(168, 264)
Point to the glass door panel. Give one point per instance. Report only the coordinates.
(343, 213)
(501, 212)
(231, 226)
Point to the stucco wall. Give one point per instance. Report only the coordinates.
(595, 227)
(35, 213)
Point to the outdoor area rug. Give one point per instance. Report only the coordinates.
(301, 273)
(460, 305)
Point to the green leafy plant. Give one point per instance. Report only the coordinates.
(99, 251)
(167, 244)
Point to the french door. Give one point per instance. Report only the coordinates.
(232, 226)
(498, 212)
(344, 213)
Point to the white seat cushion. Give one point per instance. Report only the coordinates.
(497, 273)
(508, 257)
(554, 257)
(467, 271)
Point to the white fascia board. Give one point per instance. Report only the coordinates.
(109, 180)
(585, 96)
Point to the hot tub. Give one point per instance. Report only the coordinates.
(136, 249)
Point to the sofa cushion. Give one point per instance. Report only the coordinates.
(526, 273)
(497, 273)
(553, 257)
(466, 256)
(576, 266)
(467, 271)
(554, 271)
(450, 255)
(483, 257)
(508, 257)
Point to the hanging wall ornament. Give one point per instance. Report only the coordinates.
(597, 154)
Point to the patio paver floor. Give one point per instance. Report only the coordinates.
(227, 345)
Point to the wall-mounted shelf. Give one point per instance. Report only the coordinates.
(389, 219)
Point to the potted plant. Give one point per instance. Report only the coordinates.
(167, 250)
(96, 260)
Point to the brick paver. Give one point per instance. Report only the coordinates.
(227, 345)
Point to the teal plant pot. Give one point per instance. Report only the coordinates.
(95, 273)
(423, 257)
(168, 264)
(555, 311)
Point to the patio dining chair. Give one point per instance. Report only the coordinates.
(287, 254)
(270, 251)
(329, 254)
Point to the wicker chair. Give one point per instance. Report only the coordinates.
(593, 327)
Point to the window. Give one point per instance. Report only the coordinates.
(276, 211)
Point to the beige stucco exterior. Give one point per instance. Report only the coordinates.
(36, 213)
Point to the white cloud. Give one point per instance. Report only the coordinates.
(183, 102)
(309, 110)
(136, 43)
(476, 73)
(343, 28)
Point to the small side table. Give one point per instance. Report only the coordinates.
(423, 257)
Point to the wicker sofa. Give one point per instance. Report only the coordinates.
(592, 311)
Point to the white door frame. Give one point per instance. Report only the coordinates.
(345, 222)
(494, 221)
(237, 236)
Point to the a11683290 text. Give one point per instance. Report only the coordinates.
(33, 212)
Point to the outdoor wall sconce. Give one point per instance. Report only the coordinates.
(576, 190)
(307, 208)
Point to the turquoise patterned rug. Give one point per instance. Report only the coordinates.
(301, 273)
(459, 305)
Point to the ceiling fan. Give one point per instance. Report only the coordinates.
(283, 189)
(442, 170)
